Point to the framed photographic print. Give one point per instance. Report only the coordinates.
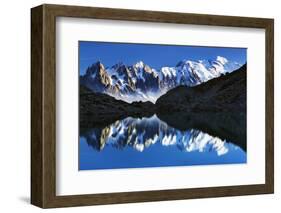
(136, 106)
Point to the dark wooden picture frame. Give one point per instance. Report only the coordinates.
(43, 105)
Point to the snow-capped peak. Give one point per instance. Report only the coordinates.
(139, 81)
(222, 60)
(140, 65)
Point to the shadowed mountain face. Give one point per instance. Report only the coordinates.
(101, 109)
(224, 94)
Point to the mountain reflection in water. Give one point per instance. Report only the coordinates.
(151, 142)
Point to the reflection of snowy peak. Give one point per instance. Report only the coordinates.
(140, 82)
(142, 133)
(202, 142)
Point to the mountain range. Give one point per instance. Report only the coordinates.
(226, 93)
(141, 82)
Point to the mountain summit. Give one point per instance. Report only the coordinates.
(140, 82)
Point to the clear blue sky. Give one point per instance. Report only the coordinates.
(154, 55)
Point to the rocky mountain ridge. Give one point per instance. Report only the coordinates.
(140, 82)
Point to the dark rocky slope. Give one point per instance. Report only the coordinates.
(97, 109)
(223, 94)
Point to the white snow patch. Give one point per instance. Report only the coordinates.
(222, 60)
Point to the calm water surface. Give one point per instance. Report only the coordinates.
(150, 142)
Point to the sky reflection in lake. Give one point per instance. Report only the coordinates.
(150, 142)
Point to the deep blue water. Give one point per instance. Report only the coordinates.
(150, 142)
